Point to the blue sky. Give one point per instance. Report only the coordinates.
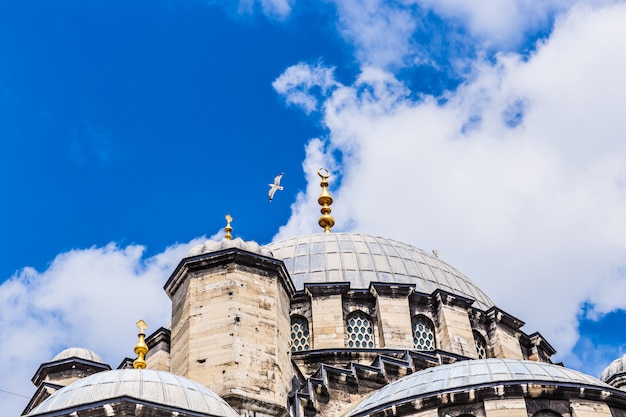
(491, 131)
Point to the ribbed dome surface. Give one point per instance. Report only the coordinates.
(615, 367)
(77, 352)
(362, 259)
(157, 387)
(215, 246)
(470, 373)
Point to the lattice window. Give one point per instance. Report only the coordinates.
(299, 334)
(423, 333)
(360, 331)
(481, 346)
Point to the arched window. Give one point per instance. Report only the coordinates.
(481, 346)
(423, 333)
(359, 330)
(299, 334)
(546, 413)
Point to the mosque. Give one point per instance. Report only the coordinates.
(329, 324)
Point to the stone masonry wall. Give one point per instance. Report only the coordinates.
(395, 320)
(581, 408)
(505, 343)
(511, 407)
(327, 323)
(454, 332)
(231, 333)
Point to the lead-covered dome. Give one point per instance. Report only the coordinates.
(80, 353)
(362, 259)
(157, 387)
(218, 245)
(617, 367)
(465, 375)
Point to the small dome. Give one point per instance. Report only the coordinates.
(81, 353)
(153, 386)
(616, 367)
(215, 246)
(362, 259)
(468, 374)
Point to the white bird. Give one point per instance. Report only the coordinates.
(275, 186)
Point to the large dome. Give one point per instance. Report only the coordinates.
(468, 374)
(362, 259)
(157, 387)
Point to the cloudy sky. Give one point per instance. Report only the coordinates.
(492, 131)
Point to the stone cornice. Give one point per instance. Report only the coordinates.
(326, 288)
(448, 298)
(161, 335)
(617, 380)
(500, 316)
(41, 394)
(207, 261)
(391, 289)
(537, 339)
(67, 364)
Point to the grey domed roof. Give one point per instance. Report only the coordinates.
(214, 246)
(614, 368)
(77, 352)
(470, 373)
(361, 259)
(157, 387)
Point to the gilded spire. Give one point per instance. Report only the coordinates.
(141, 348)
(228, 227)
(325, 200)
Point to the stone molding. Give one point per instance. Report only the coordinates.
(208, 261)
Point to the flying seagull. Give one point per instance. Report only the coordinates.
(275, 186)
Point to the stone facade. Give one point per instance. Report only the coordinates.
(241, 328)
(231, 328)
(231, 315)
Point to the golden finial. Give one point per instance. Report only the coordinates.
(325, 200)
(141, 348)
(228, 227)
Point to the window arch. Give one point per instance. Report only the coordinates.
(359, 330)
(423, 333)
(300, 339)
(481, 345)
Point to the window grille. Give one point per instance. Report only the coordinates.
(299, 334)
(423, 333)
(481, 346)
(360, 331)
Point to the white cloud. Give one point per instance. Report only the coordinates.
(280, 8)
(392, 34)
(498, 23)
(302, 84)
(518, 179)
(87, 298)
(379, 30)
(275, 9)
